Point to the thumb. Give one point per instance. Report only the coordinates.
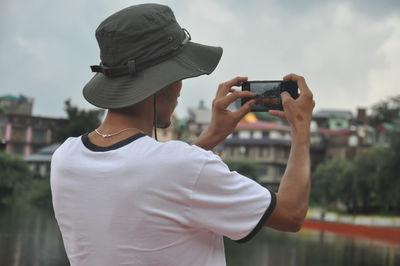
(285, 96)
(286, 99)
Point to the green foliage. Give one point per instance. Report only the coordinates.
(389, 171)
(18, 184)
(246, 168)
(14, 172)
(368, 184)
(328, 180)
(79, 121)
(385, 111)
(265, 116)
(39, 192)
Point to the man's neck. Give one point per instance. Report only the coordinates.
(139, 119)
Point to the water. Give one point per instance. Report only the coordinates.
(30, 236)
(311, 248)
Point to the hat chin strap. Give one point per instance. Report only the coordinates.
(155, 117)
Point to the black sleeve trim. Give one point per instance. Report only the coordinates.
(262, 221)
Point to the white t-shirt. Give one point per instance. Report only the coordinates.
(142, 202)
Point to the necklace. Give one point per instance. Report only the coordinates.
(113, 134)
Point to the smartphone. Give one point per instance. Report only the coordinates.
(268, 94)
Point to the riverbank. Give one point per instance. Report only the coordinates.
(369, 226)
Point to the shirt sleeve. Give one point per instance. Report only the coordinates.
(228, 203)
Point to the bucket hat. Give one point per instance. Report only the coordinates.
(142, 50)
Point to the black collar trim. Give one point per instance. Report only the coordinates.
(93, 147)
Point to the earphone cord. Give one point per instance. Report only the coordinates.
(155, 118)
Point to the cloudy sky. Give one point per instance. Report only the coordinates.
(348, 51)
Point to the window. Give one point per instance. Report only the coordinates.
(257, 134)
(39, 134)
(264, 152)
(287, 136)
(263, 170)
(275, 135)
(18, 133)
(244, 134)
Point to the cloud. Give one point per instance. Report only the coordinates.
(384, 79)
(347, 50)
(332, 44)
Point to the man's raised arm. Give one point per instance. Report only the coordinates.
(294, 190)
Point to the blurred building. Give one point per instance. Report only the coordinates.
(39, 162)
(344, 135)
(20, 132)
(267, 144)
(333, 119)
(199, 120)
(25, 134)
(10, 104)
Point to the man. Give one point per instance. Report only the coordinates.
(122, 198)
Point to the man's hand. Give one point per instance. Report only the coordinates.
(223, 121)
(298, 112)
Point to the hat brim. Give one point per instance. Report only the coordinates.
(118, 92)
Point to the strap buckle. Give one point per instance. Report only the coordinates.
(129, 68)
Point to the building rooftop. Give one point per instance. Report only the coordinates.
(387, 127)
(44, 154)
(327, 131)
(262, 125)
(331, 113)
(9, 97)
(263, 141)
(267, 141)
(20, 98)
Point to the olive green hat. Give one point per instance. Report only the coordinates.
(143, 49)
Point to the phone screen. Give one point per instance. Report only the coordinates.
(268, 94)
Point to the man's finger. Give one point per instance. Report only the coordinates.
(224, 88)
(236, 81)
(277, 113)
(301, 82)
(227, 100)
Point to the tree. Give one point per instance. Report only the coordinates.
(389, 177)
(14, 174)
(385, 112)
(329, 181)
(365, 176)
(79, 121)
(368, 184)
